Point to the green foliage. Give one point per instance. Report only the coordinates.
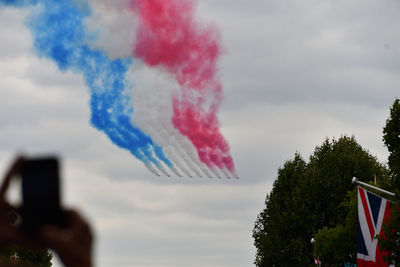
(274, 225)
(390, 241)
(326, 237)
(391, 138)
(310, 198)
(34, 258)
(338, 244)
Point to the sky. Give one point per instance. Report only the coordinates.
(294, 73)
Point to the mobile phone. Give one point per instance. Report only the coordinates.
(40, 193)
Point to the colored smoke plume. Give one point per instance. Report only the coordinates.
(58, 33)
(168, 36)
(156, 122)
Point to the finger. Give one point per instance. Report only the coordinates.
(76, 222)
(79, 226)
(7, 215)
(15, 168)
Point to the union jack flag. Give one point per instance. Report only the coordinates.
(373, 211)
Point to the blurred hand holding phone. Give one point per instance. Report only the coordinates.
(45, 224)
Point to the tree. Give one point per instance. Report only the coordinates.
(390, 241)
(391, 139)
(338, 244)
(275, 226)
(310, 198)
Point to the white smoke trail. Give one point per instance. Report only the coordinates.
(234, 175)
(214, 170)
(188, 163)
(111, 27)
(174, 170)
(168, 151)
(176, 152)
(152, 158)
(178, 164)
(152, 105)
(147, 163)
(186, 150)
(192, 159)
(150, 168)
(161, 168)
(153, 112)
(114, 27)
(180, 148)
(225, 172)
(167, 145)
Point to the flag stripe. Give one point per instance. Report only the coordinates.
(375, 205)
(367, 214)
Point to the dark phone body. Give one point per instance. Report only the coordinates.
(40, 193)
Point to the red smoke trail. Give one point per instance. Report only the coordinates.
(168, 36)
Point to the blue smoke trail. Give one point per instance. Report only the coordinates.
(59, 34)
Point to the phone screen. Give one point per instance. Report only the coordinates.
(40, 193)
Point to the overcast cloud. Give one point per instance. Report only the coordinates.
(294, 73)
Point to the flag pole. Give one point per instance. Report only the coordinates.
(355, 181)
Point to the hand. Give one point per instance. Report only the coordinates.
(73, 244)
(8, 233)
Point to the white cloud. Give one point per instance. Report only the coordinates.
(113, 27)
(170, 224)
(295, 72)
